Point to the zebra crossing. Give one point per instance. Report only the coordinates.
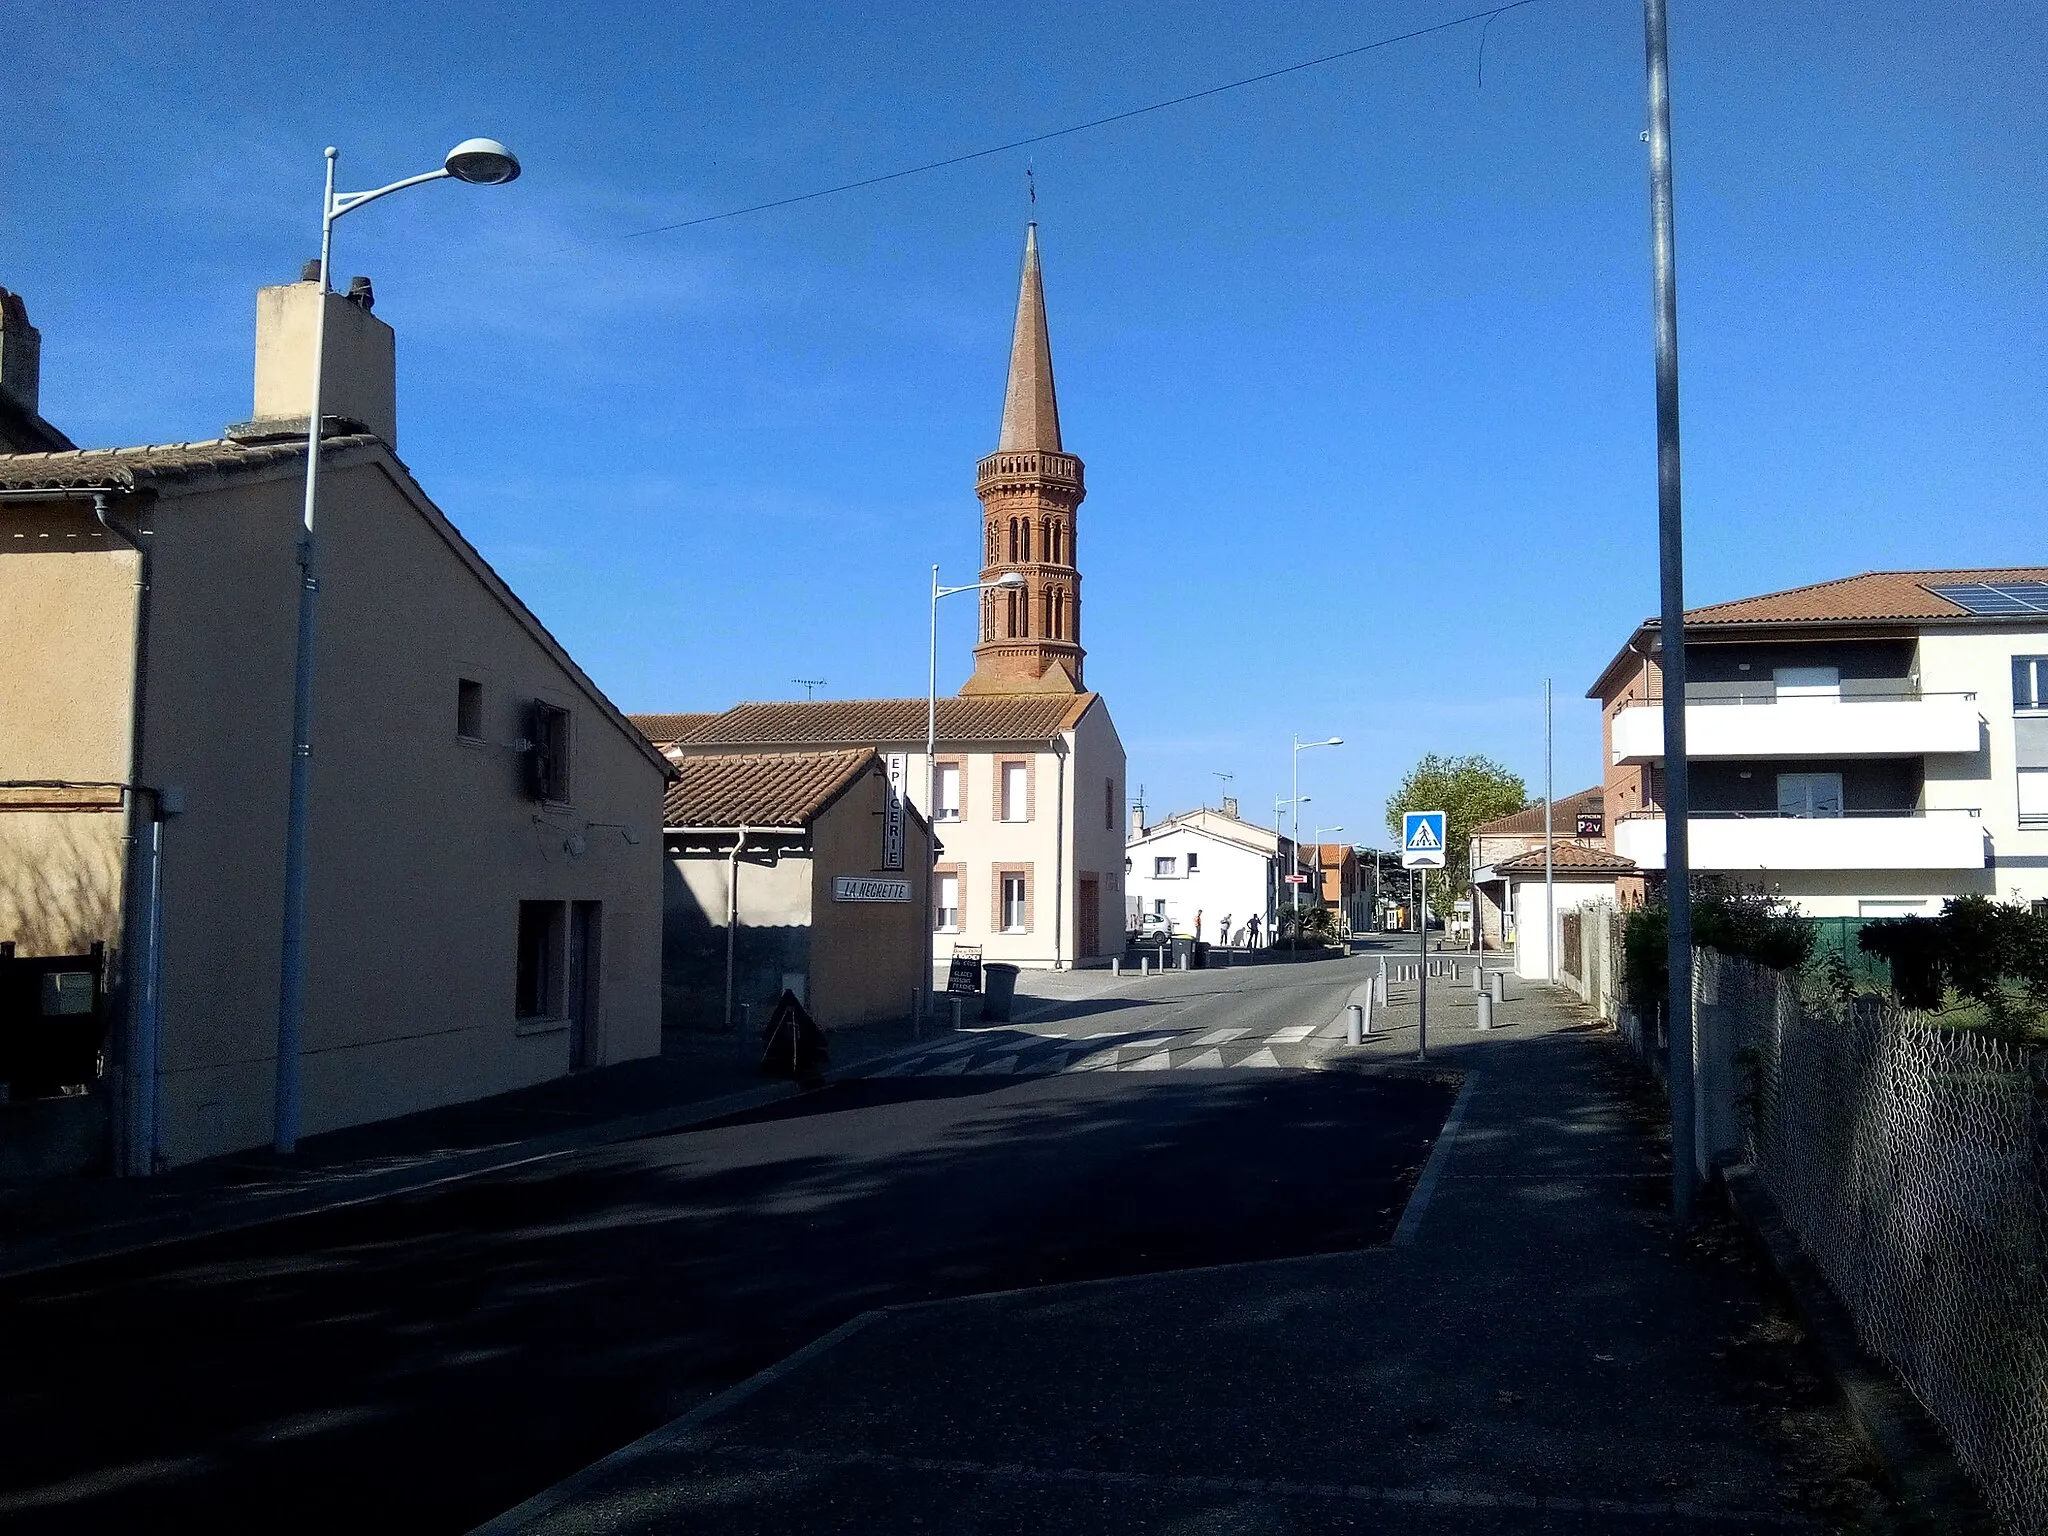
(1009, 1053)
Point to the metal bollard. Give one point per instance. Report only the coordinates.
(1354, 1025)
(1366, 1022)
(1379, 988)
(1499, 979)
(1116, 966)
(1485, 1010)
(956, 1014)
(1478, 976)
(1182, 962)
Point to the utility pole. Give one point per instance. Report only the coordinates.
(1671, 626)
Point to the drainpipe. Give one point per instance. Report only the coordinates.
(1059, 854)
(732, 915)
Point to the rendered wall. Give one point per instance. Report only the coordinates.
(866, 957)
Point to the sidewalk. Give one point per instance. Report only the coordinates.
(699, 1076)
(1536, 1350)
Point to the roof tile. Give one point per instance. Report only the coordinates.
(981, 718)
(1872, 595)
(767, 789)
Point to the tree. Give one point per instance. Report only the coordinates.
(1468, 790)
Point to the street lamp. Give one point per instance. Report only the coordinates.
(1300, 747)
(484, 163)
(1009, 581)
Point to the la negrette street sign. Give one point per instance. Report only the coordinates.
(1422, 840)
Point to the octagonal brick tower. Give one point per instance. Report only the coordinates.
(1030, 488)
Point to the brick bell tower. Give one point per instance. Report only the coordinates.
(1030, 489)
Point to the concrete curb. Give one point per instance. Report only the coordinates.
(1935, 1493)
(59, 1252)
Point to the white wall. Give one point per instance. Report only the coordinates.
(1532, 953)
(1980, 661)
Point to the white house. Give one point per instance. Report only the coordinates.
(1212, 865)
(1863, 747)
(1579, 877)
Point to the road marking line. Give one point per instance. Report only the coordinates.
(951, 1068)
(1221, 1037)
(1433, 1169)
(1206, 1059)
(1158, 1063)
(1261, 1058)
(1018, 1472)
(1293, 1034)
(995, 1066)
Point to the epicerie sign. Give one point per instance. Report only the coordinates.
(857, 888)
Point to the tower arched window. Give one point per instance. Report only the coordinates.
(1026, 524)
(1013, 541)
(1011, 631)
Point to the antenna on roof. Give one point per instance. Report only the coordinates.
(807, 684)
(1226, 778)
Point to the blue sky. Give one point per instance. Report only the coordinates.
(1359, 360)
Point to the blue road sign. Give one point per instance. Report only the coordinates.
(1422, 840)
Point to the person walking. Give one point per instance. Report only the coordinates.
(1198, 925)
(1251, 930)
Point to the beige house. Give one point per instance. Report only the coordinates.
(485, 857)
(791, 871)
(1576, 822)
(1030, 796)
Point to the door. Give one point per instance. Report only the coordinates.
(1809, 794)
(1088, 923)
(584, 923)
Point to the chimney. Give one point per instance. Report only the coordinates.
(359, 368)
(21, 354)
(1230, 806)
(1137, 818)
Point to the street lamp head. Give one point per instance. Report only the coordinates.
(483, 162)
(1334, 741)
(1009, 580)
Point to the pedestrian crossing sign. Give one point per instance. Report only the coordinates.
(1422, 840)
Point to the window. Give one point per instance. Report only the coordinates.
(949, 792)
(1015, 915)
(1163, 868)
(1159, 907)
(539, 988)
(1109, 805)
(1025, 526)
(2030, 682)
(1191, 862)
(547, 755)
(1016, 792)
(2033, 797)
(1823, 683)
(1809, 794)
(1011, 631)
(469, 709)
(949, 904)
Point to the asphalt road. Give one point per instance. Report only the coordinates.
(425, 1362)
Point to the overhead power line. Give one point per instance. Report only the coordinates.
(1486, 15)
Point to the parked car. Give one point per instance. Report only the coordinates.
(1153, 928)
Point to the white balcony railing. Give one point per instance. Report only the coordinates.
(1941, 839)
(1805, 727)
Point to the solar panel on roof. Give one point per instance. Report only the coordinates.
(1996, 597)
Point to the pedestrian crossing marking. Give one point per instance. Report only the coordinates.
(996, 1067)
(1293, 1034)
(949, 1068)
(1158, 1063)
(1221, 1036)
(1206, 1059)
(1264, 1058)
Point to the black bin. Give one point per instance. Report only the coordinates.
(998, 991)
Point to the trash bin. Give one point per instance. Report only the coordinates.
(998, 991)
(1200, 957)
(1183, 951)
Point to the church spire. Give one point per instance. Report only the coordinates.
(1030, 490)
(1031, 411)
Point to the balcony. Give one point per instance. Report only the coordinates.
(1942, 839)
(1752, 725)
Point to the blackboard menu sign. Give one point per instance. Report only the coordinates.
(963, 977)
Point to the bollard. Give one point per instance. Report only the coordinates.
(1181, 961)
(1365, 1024)
(1485, 1010)
(956, 1013)
(1116, 966)
(1354, 1025)
(1500, 986)
(1379, 987)
(1478, 976)
(746, 1019)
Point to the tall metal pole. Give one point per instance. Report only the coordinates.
(1549, 855)
(291, 991)
(1294, 854)
(1422, 969)
(1671, 627)
(931, 796)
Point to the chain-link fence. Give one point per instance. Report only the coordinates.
(1912, 1161)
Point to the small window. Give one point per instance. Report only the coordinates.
(547, 756)
(1016, 788)
(949, 904)
(949, 792)
(1163, 867)
(469, 709)
(1109, 805)
(540, 960)
(1191, 862)
(2033, 797)
(1013, 904)
(2030, 682)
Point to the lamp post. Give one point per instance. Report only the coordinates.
(482, 162)
(1300, 747)
(1009, 581)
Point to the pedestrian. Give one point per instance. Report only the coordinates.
(1251, 932)
(1223, 932)
(1198, 925)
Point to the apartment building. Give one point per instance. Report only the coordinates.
(1214, 865)
(1864, 747)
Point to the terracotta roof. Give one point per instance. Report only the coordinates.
(768, 789)
(1528, 822)
(1572, 856)
(162, 464)
(891, 722)
(1872, 595)
(663, 729)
